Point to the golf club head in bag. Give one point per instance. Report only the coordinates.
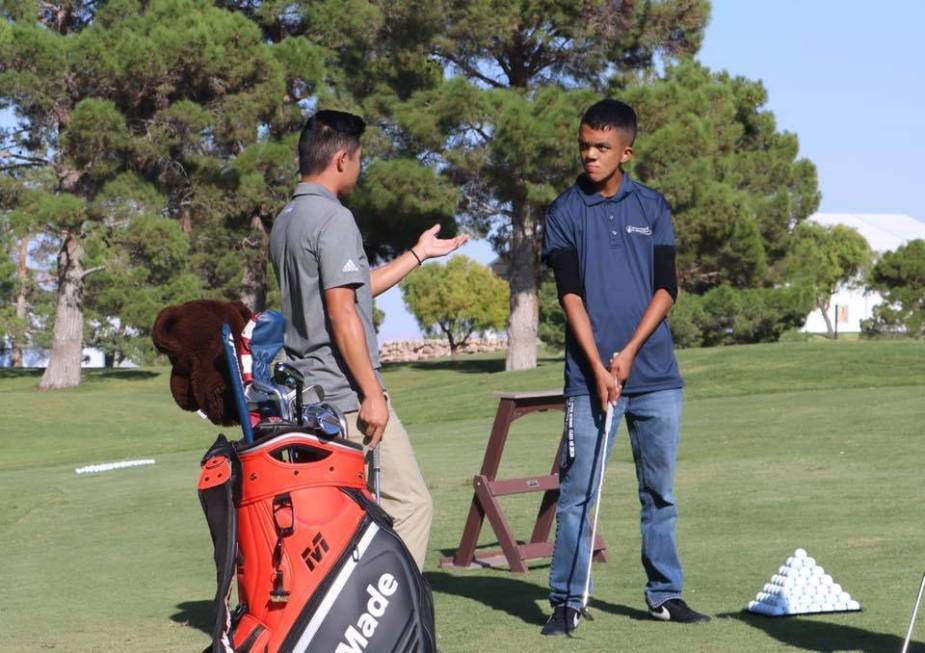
(269, 402)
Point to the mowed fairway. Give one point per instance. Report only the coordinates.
(819, 445)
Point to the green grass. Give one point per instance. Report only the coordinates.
(815, 444)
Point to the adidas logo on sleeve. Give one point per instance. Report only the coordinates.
(350, 266)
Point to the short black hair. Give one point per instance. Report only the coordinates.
(612, 114)
(325, 133)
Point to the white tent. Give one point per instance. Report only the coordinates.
(884, 232)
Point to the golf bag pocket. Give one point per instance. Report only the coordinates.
(316, 560)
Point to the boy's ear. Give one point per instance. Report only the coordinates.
(340, 158)
(627, 154)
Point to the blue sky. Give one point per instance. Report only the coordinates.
(846, 76)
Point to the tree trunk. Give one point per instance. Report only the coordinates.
(454, 346)
(254, 278)
(524, 276)
(186, 221)
(824, 309)
(63, 369)
(22, 274)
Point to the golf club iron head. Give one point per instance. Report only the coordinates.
(270, 400)
(325, 419)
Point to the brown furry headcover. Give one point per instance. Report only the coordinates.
(191, 336)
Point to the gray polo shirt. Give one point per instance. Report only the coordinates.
(315, 245)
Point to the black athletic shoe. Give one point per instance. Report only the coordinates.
(677, 610)
(563, 621)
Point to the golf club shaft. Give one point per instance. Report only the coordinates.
(377, 474)
(915, 611)
(608, 422)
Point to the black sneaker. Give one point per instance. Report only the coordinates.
(677, 610)
(563, 621)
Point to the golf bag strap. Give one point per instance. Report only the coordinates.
(219, 493)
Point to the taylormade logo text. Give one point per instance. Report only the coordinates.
(356, 637)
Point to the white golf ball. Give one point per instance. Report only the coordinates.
(844, 597)
(810, 562)
(826, 580)
(799, 553)
(854, 605)
(836, 588)
(818, 571)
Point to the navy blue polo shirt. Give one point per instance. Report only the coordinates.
(615, 239)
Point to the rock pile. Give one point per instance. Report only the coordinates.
(402, 351)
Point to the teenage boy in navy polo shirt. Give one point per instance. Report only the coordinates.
(611, 245)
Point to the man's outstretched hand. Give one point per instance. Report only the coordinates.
(429, 246)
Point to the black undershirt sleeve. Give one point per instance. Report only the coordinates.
(564, 264)
(664, 274)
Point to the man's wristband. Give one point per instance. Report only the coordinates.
(418, 258)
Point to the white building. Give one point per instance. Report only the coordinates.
(884, 232)
(35, 357)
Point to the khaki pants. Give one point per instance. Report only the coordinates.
(404, 493)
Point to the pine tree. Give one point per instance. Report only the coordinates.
(505, 121)
(167, 90)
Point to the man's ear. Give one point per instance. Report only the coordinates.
(340, 160)
(627, 154)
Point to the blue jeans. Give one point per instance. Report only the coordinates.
(653, 421)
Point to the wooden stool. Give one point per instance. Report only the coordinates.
(512, 405)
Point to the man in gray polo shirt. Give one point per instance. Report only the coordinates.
(327, 297)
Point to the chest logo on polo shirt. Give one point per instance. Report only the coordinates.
(350, 266)
(631, 229)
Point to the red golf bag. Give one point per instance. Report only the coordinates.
(318, 565)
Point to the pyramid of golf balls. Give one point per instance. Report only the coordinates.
(801, 587)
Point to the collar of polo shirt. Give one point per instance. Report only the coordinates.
(592, 197)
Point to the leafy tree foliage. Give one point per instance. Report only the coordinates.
(169, 90)
(824, 258)
(735, 184)
(552, 324)
(456, 299)
(900, 277)
(520, 74)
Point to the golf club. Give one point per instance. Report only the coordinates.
(915, 612)
(377, 475)
(608, 422)
(289, 376)
(268, 399)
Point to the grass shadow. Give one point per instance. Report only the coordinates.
(464, 365)
(87, 374)
(518, 598)
(21, 372)
(196, 614)
(823, 637)
(120, 373)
